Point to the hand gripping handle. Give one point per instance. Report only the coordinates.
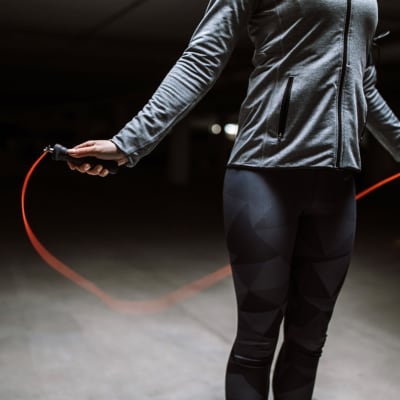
(60, 153)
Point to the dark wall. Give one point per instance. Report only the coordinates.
(55, 88)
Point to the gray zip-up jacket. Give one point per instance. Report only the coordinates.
(310, 95)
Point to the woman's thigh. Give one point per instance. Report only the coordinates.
(321, 257)
(261, 220)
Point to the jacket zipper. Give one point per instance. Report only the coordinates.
(341, 84)
(285, 108)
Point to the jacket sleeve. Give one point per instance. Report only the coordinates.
(381, 121)
(189, 80)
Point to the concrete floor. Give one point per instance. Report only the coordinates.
(57, 342)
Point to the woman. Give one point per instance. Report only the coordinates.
(289, 201)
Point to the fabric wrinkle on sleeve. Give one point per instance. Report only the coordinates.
(190, 78)
(381, 121)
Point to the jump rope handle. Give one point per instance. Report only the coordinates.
(60, 153)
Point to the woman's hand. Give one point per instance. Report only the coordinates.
(101, 149)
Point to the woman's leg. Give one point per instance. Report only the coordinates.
(321, 258)
(260, 224)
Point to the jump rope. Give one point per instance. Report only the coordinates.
(60, 153)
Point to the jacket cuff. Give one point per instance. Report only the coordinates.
(133, 157)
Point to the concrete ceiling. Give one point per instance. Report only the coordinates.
(117, 36)
(161, 20)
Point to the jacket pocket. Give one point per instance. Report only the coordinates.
(364, 128)
(283, 114)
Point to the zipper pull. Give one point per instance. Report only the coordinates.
(376, 39)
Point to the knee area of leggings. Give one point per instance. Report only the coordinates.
(305, 347)
(254, 353)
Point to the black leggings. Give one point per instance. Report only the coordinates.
(290, 235)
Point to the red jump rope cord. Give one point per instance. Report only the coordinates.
(136, 307)
(123, 306)
(377, 186)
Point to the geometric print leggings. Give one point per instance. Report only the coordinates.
(290, 235)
